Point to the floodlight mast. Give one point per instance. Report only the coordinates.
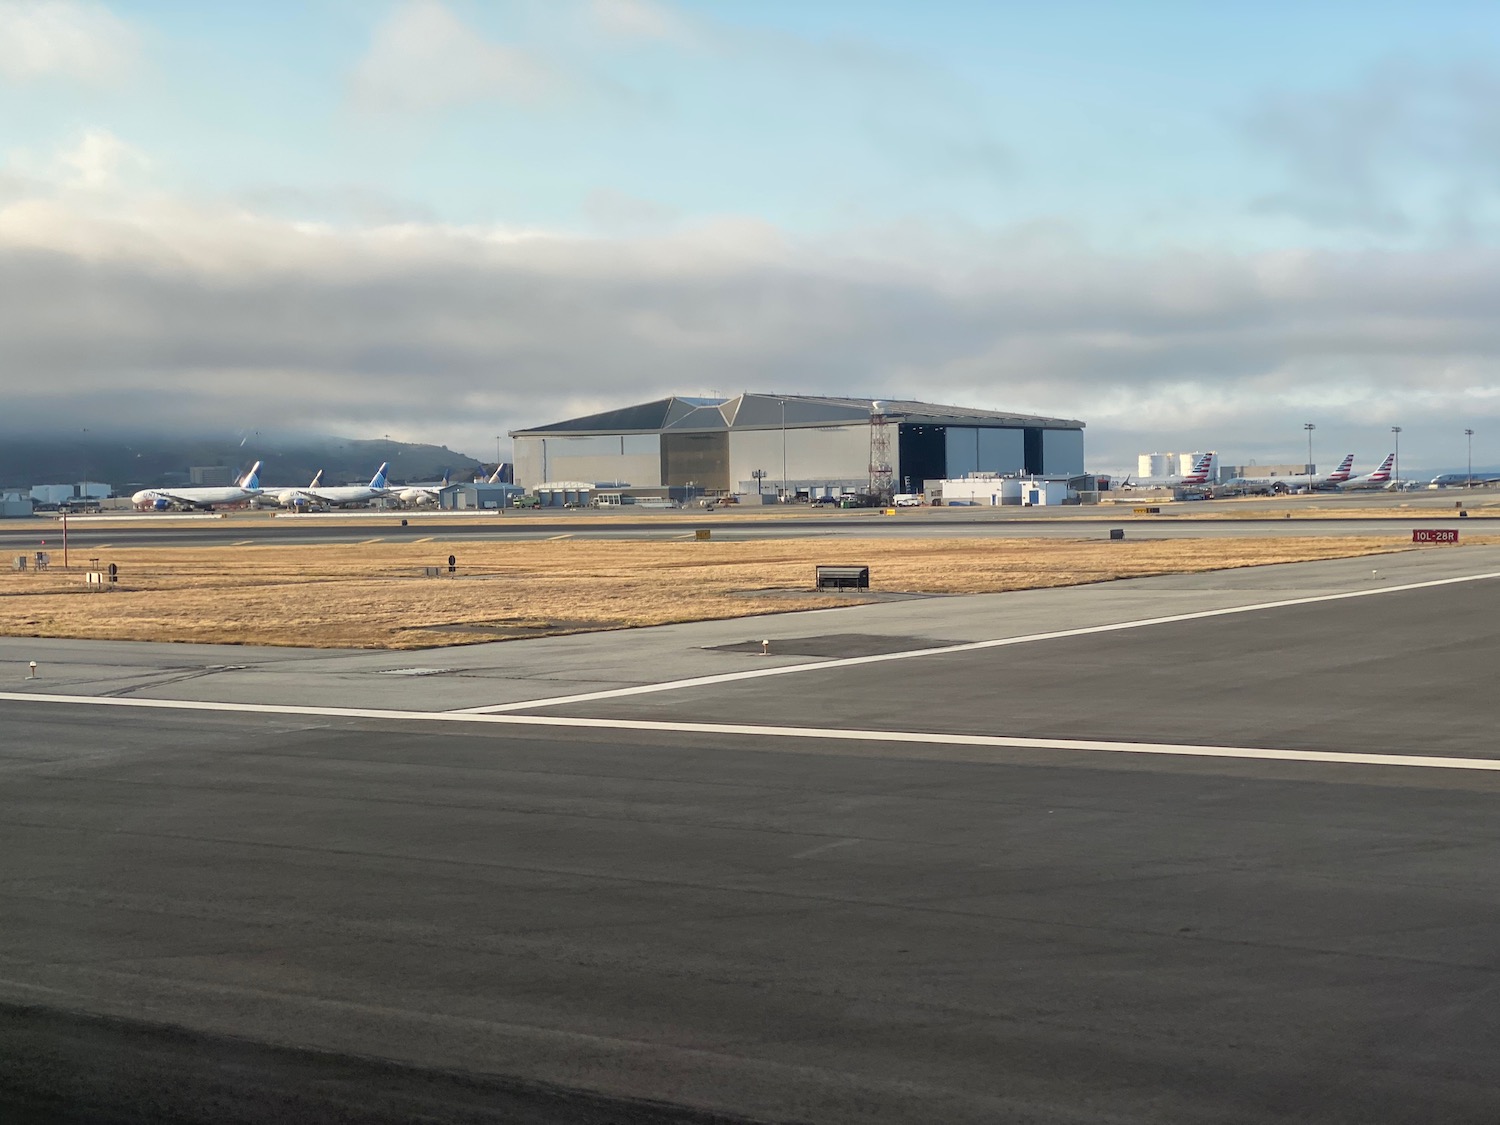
(880, 454)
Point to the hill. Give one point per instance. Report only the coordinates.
(137, 461)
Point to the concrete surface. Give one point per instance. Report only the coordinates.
(780, 929)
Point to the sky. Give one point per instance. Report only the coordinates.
(1191, 226)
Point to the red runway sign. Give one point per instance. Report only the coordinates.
(1435, 535)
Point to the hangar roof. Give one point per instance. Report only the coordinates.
(769, 412)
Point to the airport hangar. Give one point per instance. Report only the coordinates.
(787, 445)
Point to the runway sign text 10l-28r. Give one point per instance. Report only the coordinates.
(1434, 535)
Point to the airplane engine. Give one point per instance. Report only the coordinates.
(160, 504)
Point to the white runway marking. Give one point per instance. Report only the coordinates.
(928, 738)
(971, 646)
(821, 848)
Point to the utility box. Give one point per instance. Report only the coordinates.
(843, 577)
(1117, 533)
(20, 562)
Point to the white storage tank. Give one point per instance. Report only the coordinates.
(1186, 461)
(1153, 465)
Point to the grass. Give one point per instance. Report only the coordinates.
(374, 595)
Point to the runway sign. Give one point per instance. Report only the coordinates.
(1434, 535)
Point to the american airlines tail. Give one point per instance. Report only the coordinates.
(1343, 472)
(251, 480)
(1384, 472)
(1199, 475)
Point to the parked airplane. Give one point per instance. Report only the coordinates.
(292, 497)
(351, 493)
(1273, 485)
(1199, 475)
(1380, 478)
(420, 494)
(1462, 480)
(203, 497)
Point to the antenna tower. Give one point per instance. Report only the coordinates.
(880, 454)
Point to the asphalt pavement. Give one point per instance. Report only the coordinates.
(1147, 856)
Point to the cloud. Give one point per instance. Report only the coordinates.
(642, 20)
(101, 160)
(1405, 151)
(423, 58)
(133, 311)
(98, 161)
(617, 212)
(81, 42)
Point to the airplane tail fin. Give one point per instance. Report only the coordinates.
(447, 476)
(1200, 470)
(1346, 467)
(1384, 472)
(378, 480)
(250, 480)
(495, 476)
(317, 479)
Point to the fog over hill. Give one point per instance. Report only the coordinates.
(123, 459)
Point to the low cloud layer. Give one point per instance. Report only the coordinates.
(64, 39)
(422, 57)
(149, 311)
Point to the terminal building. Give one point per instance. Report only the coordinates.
(788, 446)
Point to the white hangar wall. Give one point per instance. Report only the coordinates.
(813, 453)
(633, 459)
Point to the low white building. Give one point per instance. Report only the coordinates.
(984, 490)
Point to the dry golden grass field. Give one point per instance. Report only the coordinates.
(375, 595)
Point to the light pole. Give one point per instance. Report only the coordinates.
(1469, 434)
(497, 449)
(1309, 427)
(783, 451)
(1396, 476)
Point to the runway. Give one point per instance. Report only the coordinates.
(988, 890)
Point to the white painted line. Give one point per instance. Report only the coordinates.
(971, 646)
(555, 538)
(923, 738)
(367, 542)
(821, 848)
